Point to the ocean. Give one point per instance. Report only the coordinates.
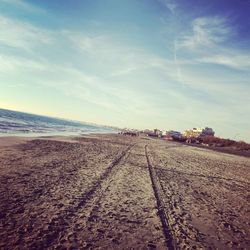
(24, 124)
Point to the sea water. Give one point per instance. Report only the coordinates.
(19, 123)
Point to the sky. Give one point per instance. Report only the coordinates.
(167, 64)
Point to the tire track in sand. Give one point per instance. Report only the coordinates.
(124, 213)
(59, 226)
(162, 210)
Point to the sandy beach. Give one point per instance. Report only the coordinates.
(121, 192)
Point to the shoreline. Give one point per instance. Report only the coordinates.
(10, 140)
(13, 139)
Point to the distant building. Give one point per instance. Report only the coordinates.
(208, 131)
(158, 133)
(148, 132)
(198, 132)
(153, 133)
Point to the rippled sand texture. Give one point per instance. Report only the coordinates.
(206, 196)
(116, 192)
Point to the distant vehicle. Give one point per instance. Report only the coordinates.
(129, 133)
(153, 133)
(196, 140)
(173, 136)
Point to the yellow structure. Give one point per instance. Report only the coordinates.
(197, 132)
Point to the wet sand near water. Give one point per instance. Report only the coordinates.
(118, 192)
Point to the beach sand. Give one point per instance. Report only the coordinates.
(119, 192)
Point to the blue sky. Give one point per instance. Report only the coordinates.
(129, 63)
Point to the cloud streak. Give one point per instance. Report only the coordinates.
(206, 32)
(21, 4)
(234, 60)
(22, 35)
(169, 4)
(205, 44)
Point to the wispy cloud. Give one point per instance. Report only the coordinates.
(86, 43)
(205, 43)
(125, 71)
(235, 60)
(169, 4)
(23, 5)
(206, 32)
(22, 35)
(14, 63)
(98, 92)
(111, 54)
